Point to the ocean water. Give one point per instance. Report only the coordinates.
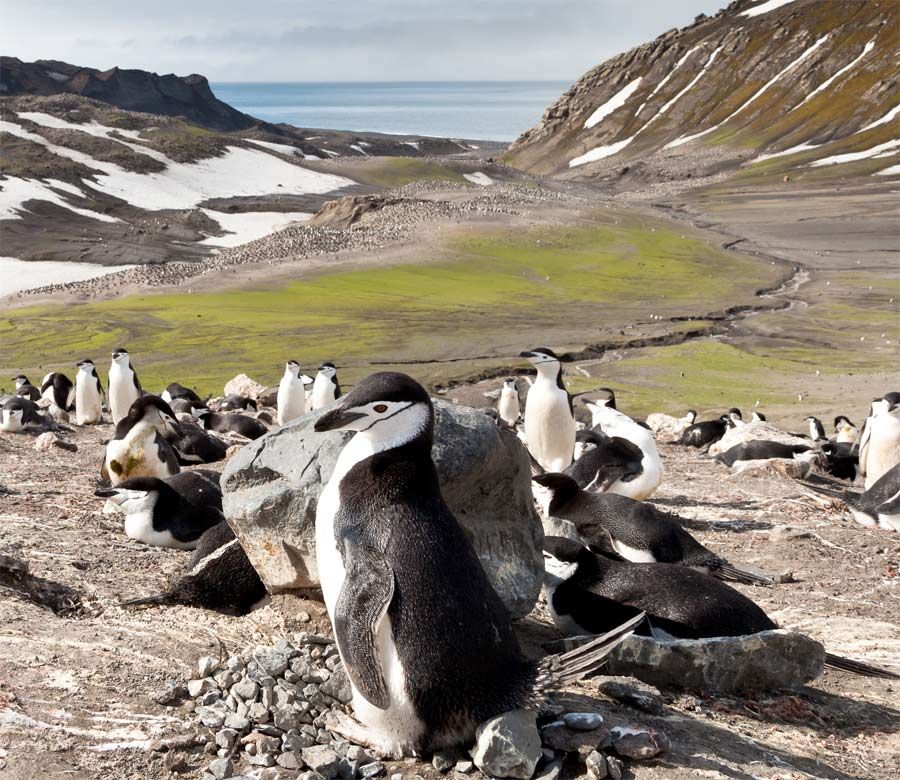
(488, 110)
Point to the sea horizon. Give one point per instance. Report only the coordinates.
(493, 110)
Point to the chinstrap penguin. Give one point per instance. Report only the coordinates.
(586, 592)
(761, 449)
(237, 403)
(879, 446)
(245, 426)
(326, 389)
(175, 390)
(123, 387)
(816, 429)
(18, 414)
(844, 430)
(508, 406)
(194, 445)
(606, 464)
(88, 394)
(219, 576)
(292, 393)
(163, 514)
(25, 389)
(59, 390)
(426, 641)
(549, 418)
(879, 505)
(636, 531)
(702, 434)
(139, 447)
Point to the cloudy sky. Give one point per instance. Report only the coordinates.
(353, 40)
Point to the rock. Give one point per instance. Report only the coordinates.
(214, 715)
(338, 686)
(245, 386)
(206, 666)
(221, 768)
(270, 660)
(290, 760)
(169, 694)
(322, 760)
(508, 745)
(271, 487)
(769, 660)
(225, 738)
(444, 760)
(464, 767)
(634, 693)
(639, 744)
(197, 688)
(559, 736)
(347, 210)
(373, 769)
(49, 440)
(246, 689)
(753, 431)
(595, 763)
(615, 767)
(551, 770)
(784, 533)
(583, 721)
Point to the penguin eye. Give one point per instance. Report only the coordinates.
(380, 408)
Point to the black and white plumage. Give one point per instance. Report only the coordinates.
(194, 445)
(175, 390)
(59, 390)
(219, 576)
(292, 393)
(605, 463)
(587, 592)
(614, 423)
(123, 387)
(186, 405)
(426, 641)
(17, 413)
(761, 449)
(879, 444)
(549, 418)
(25, 389)
(88, 394)
(236, 403)
(172, 512)
(879, 505)
(816, 429)
(844, 430)
(636, 531)
(508, 406)
(139, 447)
(842, 459)
(707, 432)
(230, 423)
(757, 416)
(326, 389)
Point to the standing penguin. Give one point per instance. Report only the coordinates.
(59, 390)
(549, 419)
(879, 446)
(508, 406)
(88, 394)
(325, 389)
(426, 641)
(291, 393)
(845, 432)
(123, 388)
(138, 447)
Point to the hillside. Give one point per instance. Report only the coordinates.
(774, 86)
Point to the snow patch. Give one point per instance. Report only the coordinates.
(616, 101)
(866, 49)
(669, 75)
(283, 148)
(358, 148)
(894, 170)
(686, 139)
(836, 159)
(785, 152)
(16, 192)
(479, 177)
(886, 118)
(599, 152)
(667, 106)
(17, 275)
(413, 144)
(250, 225)
(758, 10)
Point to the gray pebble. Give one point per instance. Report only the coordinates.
(221, 768)
(583, 721)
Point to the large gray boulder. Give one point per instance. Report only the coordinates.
(271, 487)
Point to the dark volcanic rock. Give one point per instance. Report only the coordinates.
(271, 488)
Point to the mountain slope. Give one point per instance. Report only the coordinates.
(779, 84)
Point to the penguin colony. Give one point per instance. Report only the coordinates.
(613, 565)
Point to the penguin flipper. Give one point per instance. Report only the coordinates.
(364, 599)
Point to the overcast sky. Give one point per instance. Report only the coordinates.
(350, 40)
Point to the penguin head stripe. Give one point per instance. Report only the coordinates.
(120, 352)
(156, 411)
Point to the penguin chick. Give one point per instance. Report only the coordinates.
(877, 506)
(326, 389)
(585, 592)
(607, 464)
(233, 423)
(25, 389)
(219, 576)
(139, 447)
(158, 515)
(636, 531)
(383, 532)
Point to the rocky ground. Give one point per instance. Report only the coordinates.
(92, 690)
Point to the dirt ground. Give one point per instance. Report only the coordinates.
(77, 675)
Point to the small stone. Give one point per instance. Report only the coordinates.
(49, 440)
(206, 666)
(234, 664)
(464, 767)
(639, 744)
(297, 741)
(259, 712)
(559, 736)
(169, 694)
(267, 697)
(262, 759)
(237, 721)
(508, 745)
(443, 761)
(583, 721)
(337, 686)
(551, 771)
(323, 760)
(596, 766)
(290, 760)
(372, 769)
(616, 767)
(634, 693)
(213, 716)
(221, 768)
(225, 738)
(246, 689)
(198, 687)
(210, 697)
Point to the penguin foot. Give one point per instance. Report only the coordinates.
(353, 731)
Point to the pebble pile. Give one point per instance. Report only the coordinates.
(265, 712)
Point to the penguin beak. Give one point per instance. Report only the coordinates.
(107, 493)
(336, 419)
(526, 354)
